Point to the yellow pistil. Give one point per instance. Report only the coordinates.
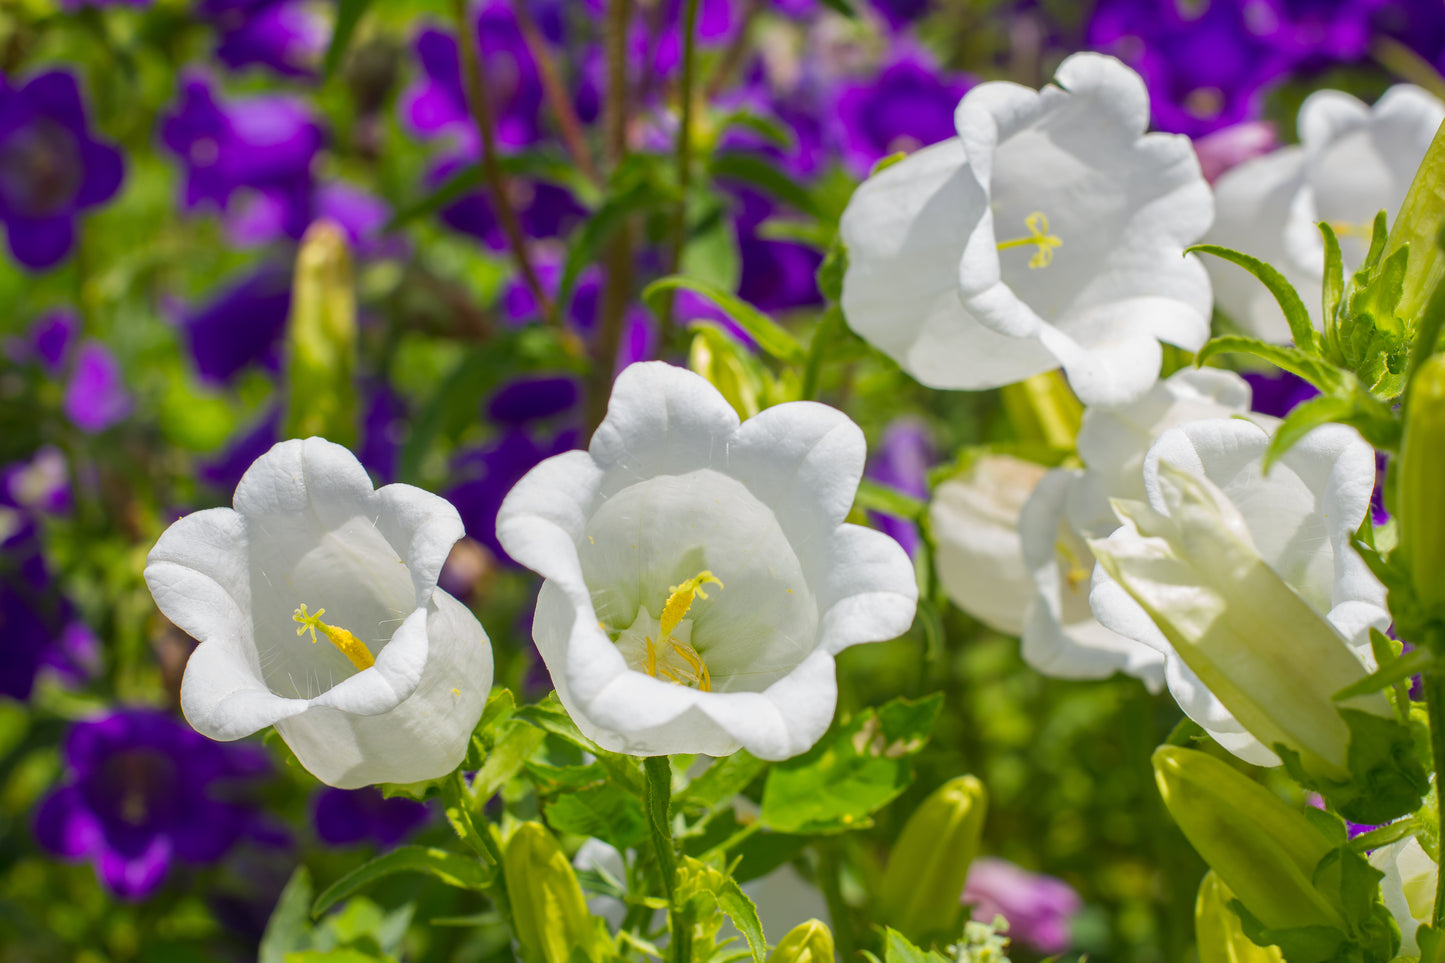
(1364, 230)
(693, 670)
(1075, 573)
(350, 645)
(1039, 236)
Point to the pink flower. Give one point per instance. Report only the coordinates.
(1038, 907)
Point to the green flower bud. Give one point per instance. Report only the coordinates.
(1042, 408)
(1261, 849)
(549, 912)
(321, 340)
(1218, 931)
(1422, 487)
(923, 884)
(809, 942)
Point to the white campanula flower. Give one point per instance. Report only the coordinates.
(1408, 888)
(974, 521)
(1049, 233)
(1060, 635)
(1352, 162)
(1249, 584)
(315, 601)
(699, 576)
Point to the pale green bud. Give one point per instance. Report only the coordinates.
(1042, 408)
(923, 884)
(809, 942)
(1218, 931)
(718, 359)
(1422, 487)
(549, 912)
(321, 340)
(1262, 850)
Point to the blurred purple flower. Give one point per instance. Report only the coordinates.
(343, 817)
(51, 168)
(142, 790)
(241, 325)
(544, 210)
(288, 36)
(1277, 393)
(902, 461)
(1418, 24)
(50, 341)
(533, 399)
(1038, 907)
(383, 429)
(1327, 30)
(436, 105)
(95, 396)
(223, 472)
(261, 216)
(1229, 147)
(901, 13)
(777, 275)
(908, 105)
(40, 485)
(1207, 65)
(264, 143)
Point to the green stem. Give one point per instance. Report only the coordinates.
(684, 160)
(659, 822)
(1435, 703)
(830, 875)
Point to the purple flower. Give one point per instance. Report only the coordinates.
(901, 13)
(1277, 392)
(51, 168)
(223, 472)
(346, 816)
(39, 625)
(1038, 907)
(1328, 30)
(777, 275)
(532, 399)
(908, 105)
(1418, 24)
(383, 429)
(436, 105)
(902, 461)
(288, 36)
(95, 397)
(1207, 65)
(142, 790)
(240, 326)
(264, 143)
(261, 216)
(544, 210)
(40, 485)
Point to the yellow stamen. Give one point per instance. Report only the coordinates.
(1075, 574)
(1363, 229)
(350, 645)
(681, 600)
(693, 670)
(1038, 225)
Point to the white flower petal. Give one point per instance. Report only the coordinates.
(661, 420)
(868, 593)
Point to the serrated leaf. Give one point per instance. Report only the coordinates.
(1305, 418)
(769, 336)
(348, 15)
(516, 741)
(602, 810)
(898, 949)
(451, 868)
(857, 768)
(699, 883)
(723, 780)
(1295, 312)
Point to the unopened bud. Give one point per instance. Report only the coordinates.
(321, 340)
(1264, 851)
(549, 913)
(809, 942)
(923, 885)
(1422, 479)
(721, 361)
(1218, 931)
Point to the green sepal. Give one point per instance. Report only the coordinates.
(1317, 372)
(1387, 781)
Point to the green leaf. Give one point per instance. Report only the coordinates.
(288, 929)
(841, 6)
(890, 501)
(1305, 418)
(1321, 374)
(723, 780)
(857, 768)
(897, 949)
(1300, 944)
(1295, 312)
(1411, 663)
(339, 955)
(699, 884)
(453, 869)
(1334, 284)
(762, 173)
(831, 271)
(771, 337)
(633, 190)
(711, 252)
(550, 715)
(516, 742)
(603, 810)
(348, 15)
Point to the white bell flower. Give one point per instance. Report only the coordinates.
(1254, 578)
(1049, 233)
(1061, 637)
(699, 577)
(1408, 888)
(315, 601)
(974, 522)
(1352, 162)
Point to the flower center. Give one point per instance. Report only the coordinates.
(1039, 236)
(42, 168)
(678, 661)
(349, 645)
